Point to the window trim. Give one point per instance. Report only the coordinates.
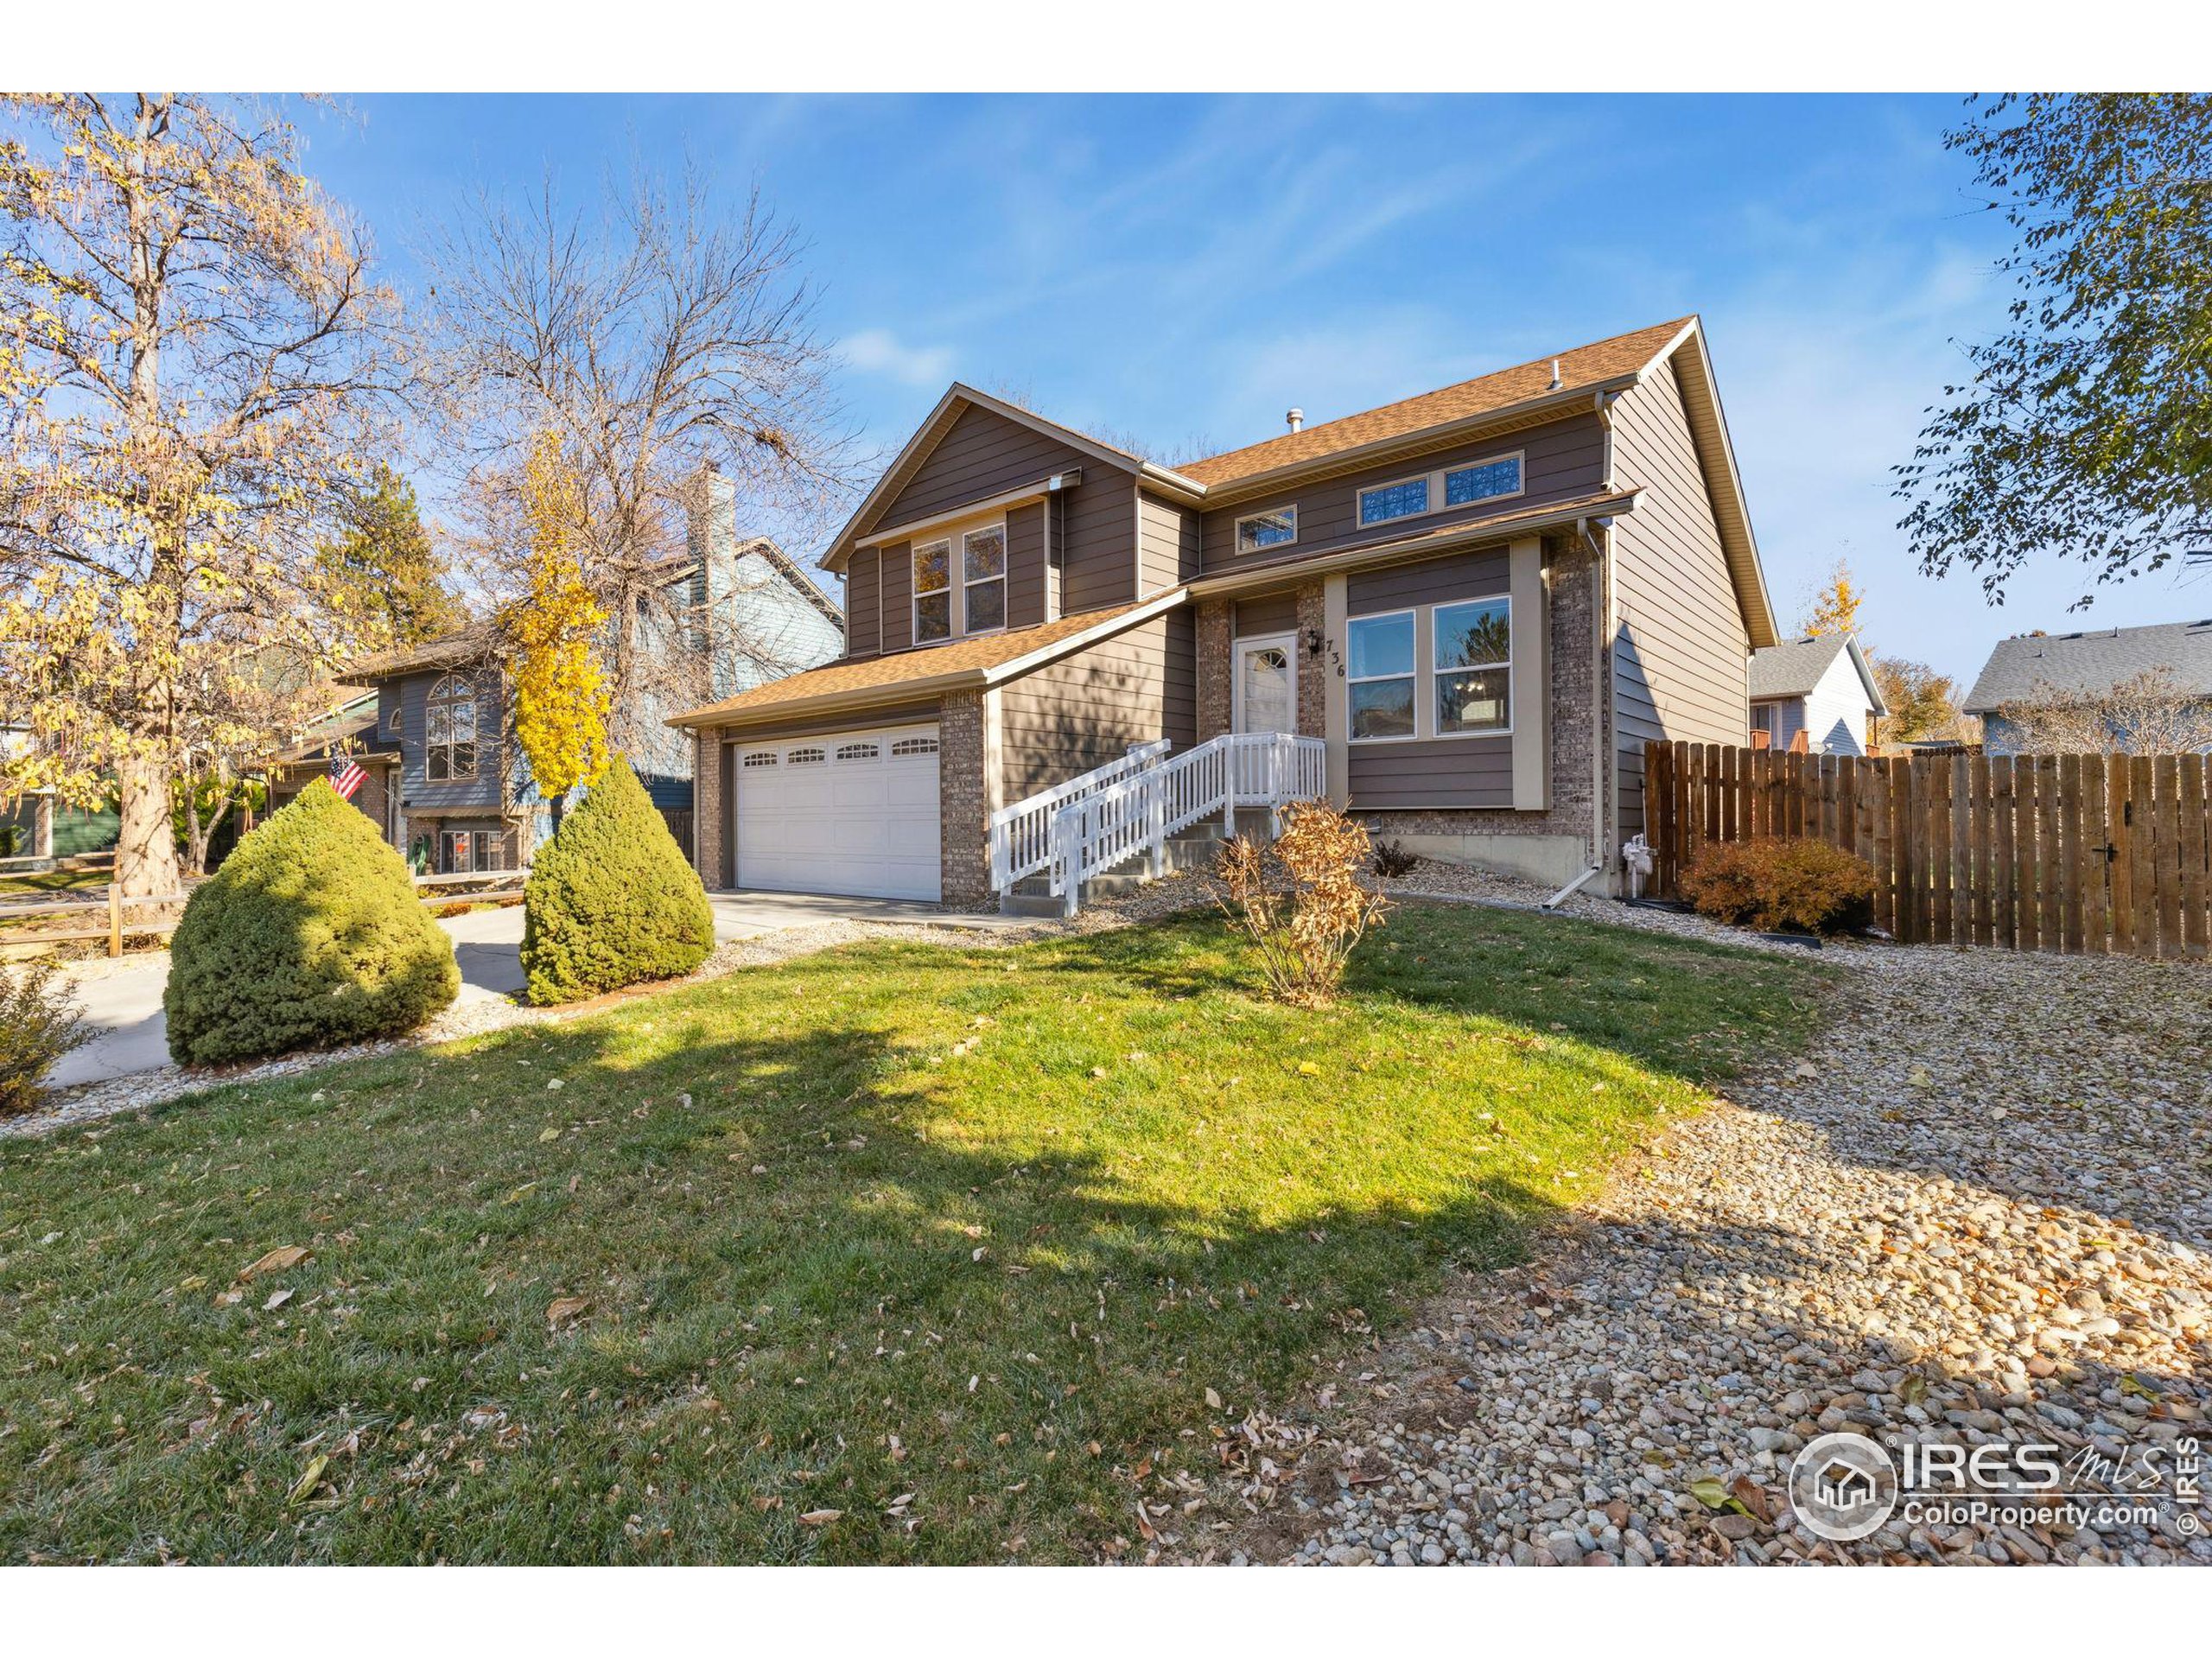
(1413, 672)
(1290, 507)
(435, 695)
(394, 718)
(1426, 673)
(1006, 569)
(1434, 478)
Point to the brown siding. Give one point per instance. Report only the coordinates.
(898, 596)
(1098, 564)
(984, 454)
(1432, 581)
(1027, 598)
(863, 596)
(1086, 709)
(904, 714)
(1270, 613)
(1680, 649)
(1442, 773)
(1167, 544)
(1563, 458)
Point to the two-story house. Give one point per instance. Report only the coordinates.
(1817, 694)
(458, 795)
(1480, 601)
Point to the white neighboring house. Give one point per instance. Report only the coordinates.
(1821, 686)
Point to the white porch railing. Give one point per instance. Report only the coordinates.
(1107, 823)
(1021, 835)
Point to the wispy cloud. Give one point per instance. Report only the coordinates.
(878, 351)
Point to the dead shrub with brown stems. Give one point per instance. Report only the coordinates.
(1304, 932)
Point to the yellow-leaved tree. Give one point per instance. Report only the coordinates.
(1834, 605)
(560, 691)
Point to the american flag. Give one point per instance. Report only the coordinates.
(346, 775)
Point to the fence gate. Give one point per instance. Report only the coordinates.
(2095, 853)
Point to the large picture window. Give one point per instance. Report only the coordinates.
(933, 592)
(449, 731)
(1441, 670)
(983, 598)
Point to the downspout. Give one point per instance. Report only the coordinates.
(1601, 613)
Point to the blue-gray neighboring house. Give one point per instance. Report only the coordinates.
(2030, 668)
(1821, 686)
(740, 614)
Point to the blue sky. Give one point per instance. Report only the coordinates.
(1179, 270)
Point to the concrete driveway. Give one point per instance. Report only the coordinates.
(124, 1008)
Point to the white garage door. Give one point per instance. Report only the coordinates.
(851, 812)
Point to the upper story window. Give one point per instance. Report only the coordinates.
(392, 719)
(933, 592)
(983, 552)
(1259, 530)
(1441, 670)
(449, 730)
(1386, 501)
(1491, 478)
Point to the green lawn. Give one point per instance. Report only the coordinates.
(980, 1226)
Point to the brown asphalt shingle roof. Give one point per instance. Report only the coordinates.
(888, 673)
(1585, 366)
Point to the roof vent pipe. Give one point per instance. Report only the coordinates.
(1296, 418)
(1554, 384)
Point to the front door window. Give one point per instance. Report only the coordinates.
(1267, 686)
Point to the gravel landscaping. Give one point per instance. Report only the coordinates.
(1980, 1214)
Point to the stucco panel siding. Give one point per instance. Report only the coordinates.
(1479, 574)
(1560, 458)
(864, 603)
(1439, 774)
(1086, 709)
(1681, 652)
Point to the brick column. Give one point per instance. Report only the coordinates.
(963, 799)
(1215, 626)
(1313, 667)
(707, 807)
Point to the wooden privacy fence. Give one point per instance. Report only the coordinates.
(2095, 853)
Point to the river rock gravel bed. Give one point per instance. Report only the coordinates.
(1976, 1211)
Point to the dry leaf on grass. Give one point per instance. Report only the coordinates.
(566, 1310)
(283, 1256)
(819, 1517)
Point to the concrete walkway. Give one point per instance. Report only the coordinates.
(125, 1006)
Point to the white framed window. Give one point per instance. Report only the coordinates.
(1404, 497)
(982, 599)
(907, 747)
(1494, 478)
(932, 592)
(449, 730)
(1258, 531)
(392, 719)
(859, 752)
(1434, 670)
(809, 757)
(762, 757)
(1473, 654)
(1379, 680)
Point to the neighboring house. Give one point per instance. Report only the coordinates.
(1482, 600)
(464, 800)
(1821, 686)
(46, 828)
(2031, 668)
(348, 729)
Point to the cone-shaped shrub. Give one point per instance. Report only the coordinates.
(309, 934)
(612, 900)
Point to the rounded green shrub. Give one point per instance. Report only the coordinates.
(611, 899)
(309, 934)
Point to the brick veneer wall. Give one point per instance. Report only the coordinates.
(1312, 668)
(964, 807)
(1217, 624)
(709, 808)
(1574, 726)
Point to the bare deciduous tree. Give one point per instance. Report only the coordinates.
(191, 351)
(2151, 714)
(654, 337)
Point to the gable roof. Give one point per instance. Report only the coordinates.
(983, 660)
(1582, 371)
(2027, 663)
(1794, 669)
(958, 398)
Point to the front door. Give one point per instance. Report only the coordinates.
(1267, 701)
